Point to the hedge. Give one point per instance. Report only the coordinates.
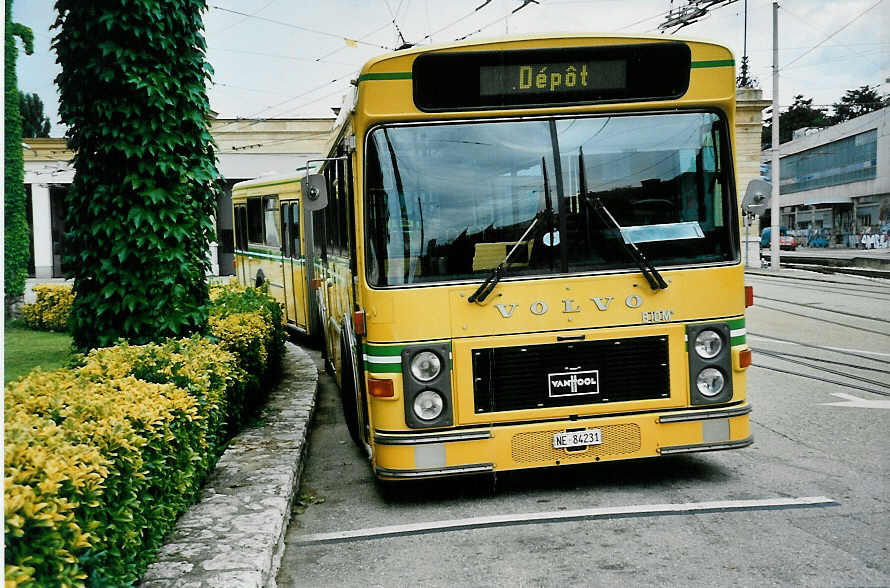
(103, 457)
(52, 309)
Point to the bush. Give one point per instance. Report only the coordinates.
(52, 309)
(102, 458)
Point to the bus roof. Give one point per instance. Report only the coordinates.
(268, 179)
(420, 49)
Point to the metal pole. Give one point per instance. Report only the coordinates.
(776, 175)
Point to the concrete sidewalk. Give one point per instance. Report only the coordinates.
(234, 537)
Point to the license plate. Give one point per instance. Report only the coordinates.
(571, 439)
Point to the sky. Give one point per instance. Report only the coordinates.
(295, 58)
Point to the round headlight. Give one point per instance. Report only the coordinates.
(708, 344)
(710, 382)
(428, 405)
(425, 366)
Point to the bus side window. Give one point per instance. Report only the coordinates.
(319, 239)
(330, 211)
(295, 249)
(241, 227)
(255, 220)
(342, 206)
(270, 218)
(349, 208)
(285, 230)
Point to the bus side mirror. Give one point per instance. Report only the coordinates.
(757, 196)
(315, 192)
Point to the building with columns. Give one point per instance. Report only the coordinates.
(245, 149)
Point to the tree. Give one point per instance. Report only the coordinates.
(132, 92)
(800, 115)
(16, 253)
(34, 122)
(857, 102)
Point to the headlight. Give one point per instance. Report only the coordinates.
(425, 366)
(708, 344)
(428, 405)
(710, 382)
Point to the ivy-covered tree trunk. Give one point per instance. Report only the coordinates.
(140, 209)
(16, 252)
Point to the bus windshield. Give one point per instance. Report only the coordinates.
(449, 201)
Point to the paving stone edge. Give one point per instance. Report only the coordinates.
(234, 536)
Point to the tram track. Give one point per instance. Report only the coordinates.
(823, 320)
(874, 285)
(847, 364)
(826, 380)
(831, 310)
(882, 295)
(825, 348)
(789, 359)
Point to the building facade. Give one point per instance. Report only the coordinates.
(246, 149)
(835, 183)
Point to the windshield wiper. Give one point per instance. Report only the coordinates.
(492, 280)
(486, 287)
(656, 282)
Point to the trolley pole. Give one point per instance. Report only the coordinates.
(776, 175)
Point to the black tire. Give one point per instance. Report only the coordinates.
(348, 397)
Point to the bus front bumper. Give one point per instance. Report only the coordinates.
(492, 448)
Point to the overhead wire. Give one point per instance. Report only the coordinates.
(820, 43)
(235, 24)
(302, 28)
(814, 27)
(278, 56)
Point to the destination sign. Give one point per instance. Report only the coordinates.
(525, 78)
(555, 78)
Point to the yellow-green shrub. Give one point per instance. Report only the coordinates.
(247, 322)
(52, 308)
(96, 472)
(102, 458)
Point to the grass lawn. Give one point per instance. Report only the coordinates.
(24, 349)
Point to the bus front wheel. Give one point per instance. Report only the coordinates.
(348, 396)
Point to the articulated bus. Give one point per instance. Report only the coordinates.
(526, 254)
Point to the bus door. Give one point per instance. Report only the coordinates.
(241, 241)
(294, 271)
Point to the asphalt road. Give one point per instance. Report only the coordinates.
(818, 433)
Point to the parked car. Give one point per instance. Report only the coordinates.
(786, 240)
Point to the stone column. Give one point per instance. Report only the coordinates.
(748, 124)
(43, 234)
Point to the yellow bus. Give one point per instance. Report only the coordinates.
(527, 255)
(271, 245)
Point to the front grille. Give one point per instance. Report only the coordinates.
(540, 376)
(538, 445)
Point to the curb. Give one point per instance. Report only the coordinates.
(234, 536)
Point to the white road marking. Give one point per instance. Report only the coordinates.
(780, 341)
(564, 516)
(851, 401)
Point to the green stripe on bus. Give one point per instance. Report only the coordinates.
(384, 350)
(399, 75)
(714, 63)
(258, 255)
(734, 341)
(383, 368)
(736, 323)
